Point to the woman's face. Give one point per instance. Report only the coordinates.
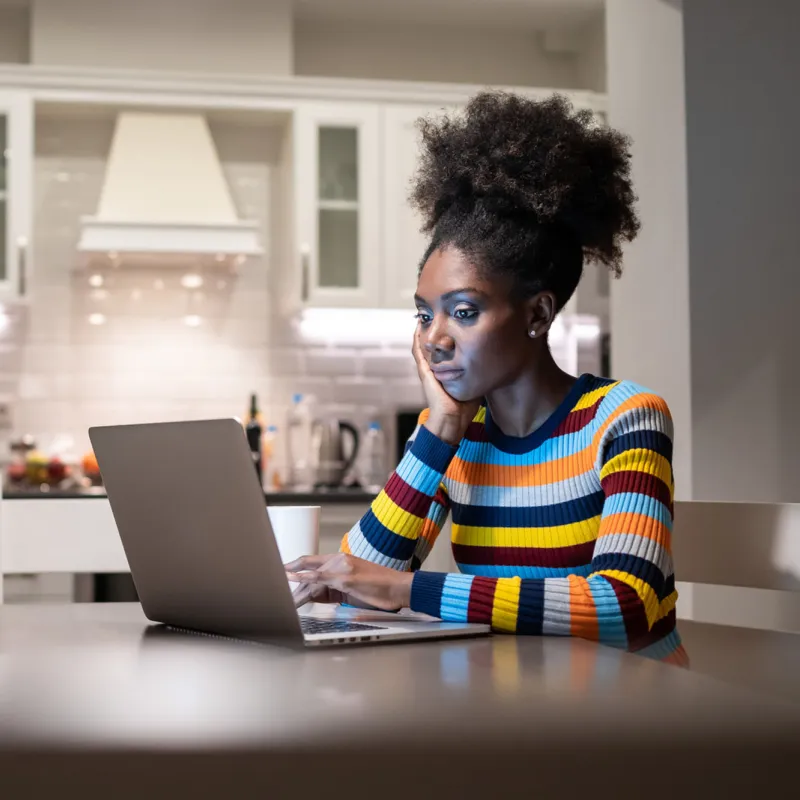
(474, 336)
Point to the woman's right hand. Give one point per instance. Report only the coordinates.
(449, 418)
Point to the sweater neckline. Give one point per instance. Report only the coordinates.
(524, 444)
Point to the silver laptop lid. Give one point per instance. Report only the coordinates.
(194, 525)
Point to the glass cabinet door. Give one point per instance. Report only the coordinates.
(337, 214)
(337, 208)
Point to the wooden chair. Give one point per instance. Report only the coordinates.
(739, 609)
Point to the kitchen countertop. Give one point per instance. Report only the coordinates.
(94, 698)
(313, 497)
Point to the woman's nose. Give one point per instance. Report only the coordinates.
(438, 338)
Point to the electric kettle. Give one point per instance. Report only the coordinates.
(328, 459)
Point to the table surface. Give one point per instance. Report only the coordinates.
(99, 678)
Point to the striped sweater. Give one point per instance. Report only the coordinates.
(565, 531)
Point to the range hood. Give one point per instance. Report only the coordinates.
(164, 194)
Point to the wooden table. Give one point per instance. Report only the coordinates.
(95, 700)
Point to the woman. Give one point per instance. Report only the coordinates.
(560, 487)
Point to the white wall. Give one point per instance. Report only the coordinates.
(591, 63)
(429, 53)
(14, 35)
(650, 335)
(593, 291)
(234, 36)
(742, 63)
(261, 37)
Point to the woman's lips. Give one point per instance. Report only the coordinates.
(447, 374)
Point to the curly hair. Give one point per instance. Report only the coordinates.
(528, 189)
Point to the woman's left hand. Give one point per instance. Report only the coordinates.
(342, 578)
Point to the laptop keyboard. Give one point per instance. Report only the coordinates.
(314, 625)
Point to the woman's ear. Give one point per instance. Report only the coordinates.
(541, 310)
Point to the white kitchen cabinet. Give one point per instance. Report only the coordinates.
(16, 189)
(337, 203)
(358, 239)
(403, 243)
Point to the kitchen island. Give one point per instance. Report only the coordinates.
(95, 699)
(47, 538)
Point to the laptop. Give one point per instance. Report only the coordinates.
(193, 522)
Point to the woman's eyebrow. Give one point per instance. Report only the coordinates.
(453, 293)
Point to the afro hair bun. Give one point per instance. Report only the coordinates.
(541, 163)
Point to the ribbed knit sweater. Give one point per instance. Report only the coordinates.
(565, 531)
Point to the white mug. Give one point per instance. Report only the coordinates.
(296, 531)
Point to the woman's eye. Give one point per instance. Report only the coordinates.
(465, 313)
(423, 317)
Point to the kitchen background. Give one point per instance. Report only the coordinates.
(272, 78)
(113, 342)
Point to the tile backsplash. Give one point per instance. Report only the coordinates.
(60, 374)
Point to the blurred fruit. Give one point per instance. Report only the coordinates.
(36, 467)
(91, 470)
(56, 470)
(89, 464)
(16, 472)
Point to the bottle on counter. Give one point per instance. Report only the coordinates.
(298, 443)
(254, 432)
(267, 456)
(17, 469)
(376, 471)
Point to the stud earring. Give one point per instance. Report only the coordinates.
(533, 333)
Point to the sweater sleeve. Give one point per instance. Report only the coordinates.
(630, 584)
(404, 520)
